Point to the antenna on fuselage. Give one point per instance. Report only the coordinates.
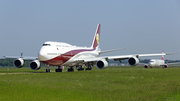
(21, 55)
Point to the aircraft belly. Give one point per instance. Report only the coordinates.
(58, 60)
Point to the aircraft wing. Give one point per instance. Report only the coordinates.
(25, 58)
(111, 50)
(120, 57)
(102, 61)
(174, 63)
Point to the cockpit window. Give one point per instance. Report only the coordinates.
(46, 45)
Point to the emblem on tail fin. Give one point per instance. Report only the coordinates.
(96, 37)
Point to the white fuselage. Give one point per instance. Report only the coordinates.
(154, 62)
(59, 53)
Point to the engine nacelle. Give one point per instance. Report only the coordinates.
(101, 64)
(35, 65)
(165, 66)
(19, 63)
(133, 61)
(146, 66)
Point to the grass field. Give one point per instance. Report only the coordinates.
(110, 84)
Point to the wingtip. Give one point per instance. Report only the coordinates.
(4, 57)
(171, 53)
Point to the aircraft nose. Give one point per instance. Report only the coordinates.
(152, 63)
(42, 56)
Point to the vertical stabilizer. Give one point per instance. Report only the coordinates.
(162, 55)
(95, 43)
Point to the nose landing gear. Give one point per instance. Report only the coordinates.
(48, 70)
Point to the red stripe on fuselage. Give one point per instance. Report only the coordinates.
(59, 60)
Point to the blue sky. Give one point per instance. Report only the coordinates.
(141, 26)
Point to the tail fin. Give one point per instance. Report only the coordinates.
(95, 43)
(162, 55)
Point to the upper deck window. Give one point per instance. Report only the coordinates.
(46, 45)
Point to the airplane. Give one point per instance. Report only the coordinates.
(158, 62)
(63, 54)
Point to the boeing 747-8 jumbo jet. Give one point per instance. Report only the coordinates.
(63, 54)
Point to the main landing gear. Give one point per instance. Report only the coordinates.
(89, 66)
(71, 69)
(79, 68)
(59, 69)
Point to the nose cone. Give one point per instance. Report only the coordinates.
(152, 62)
(42, 55)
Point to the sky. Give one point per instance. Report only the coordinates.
(140, 26)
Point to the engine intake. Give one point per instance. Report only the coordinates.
(165, 66)
(146, 66)
(19, 63)
(133, 61)
(101, 64)
(35, 65)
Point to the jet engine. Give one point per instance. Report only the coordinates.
(35, 65)
(101, 64)
(19, 63)
(133, 61)
(146, 66)
(165, 66)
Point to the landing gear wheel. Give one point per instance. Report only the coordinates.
(88, 68)
(79, 68)
(70, 69)
(58, 70)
